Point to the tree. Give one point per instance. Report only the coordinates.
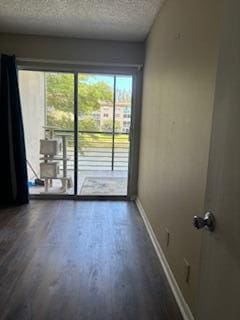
(60, 98)
(107, 125)
(88, 124)
(60, 119)
(91, 94)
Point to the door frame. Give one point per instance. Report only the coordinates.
(128, 70)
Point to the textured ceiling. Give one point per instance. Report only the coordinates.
(93, 19)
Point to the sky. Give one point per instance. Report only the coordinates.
(122, 82)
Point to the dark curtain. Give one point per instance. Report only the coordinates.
(13, 178)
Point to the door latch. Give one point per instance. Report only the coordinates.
(207, 222)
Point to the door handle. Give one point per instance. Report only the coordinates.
(207, 222)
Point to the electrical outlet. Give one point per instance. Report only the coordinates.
(167, 237)
(187, 269)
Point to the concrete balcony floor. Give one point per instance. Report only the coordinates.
(95, 182)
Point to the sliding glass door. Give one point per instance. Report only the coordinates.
(77, 132)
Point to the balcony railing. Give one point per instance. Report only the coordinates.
(97, 150)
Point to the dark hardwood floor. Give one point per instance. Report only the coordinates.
(89, 260)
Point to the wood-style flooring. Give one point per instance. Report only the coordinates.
(88, 260)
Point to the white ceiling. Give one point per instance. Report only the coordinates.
(93, 19)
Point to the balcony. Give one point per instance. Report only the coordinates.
(102, 164)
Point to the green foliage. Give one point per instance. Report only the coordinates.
(91, 94)
(60, 99)
(60, 91)
(107, 125)
(60, 119)
(88, 124)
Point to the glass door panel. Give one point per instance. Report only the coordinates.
(123, 107)
(103, 144)
(47, 100)
(95, 125)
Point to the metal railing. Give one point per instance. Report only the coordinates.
(97, 150)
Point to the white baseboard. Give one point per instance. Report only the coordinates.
(183, 306)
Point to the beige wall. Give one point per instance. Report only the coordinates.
(72, 50)
(178, 93)
(31, 85)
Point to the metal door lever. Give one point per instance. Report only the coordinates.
(207, 222)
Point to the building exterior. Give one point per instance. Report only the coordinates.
(122, 116)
